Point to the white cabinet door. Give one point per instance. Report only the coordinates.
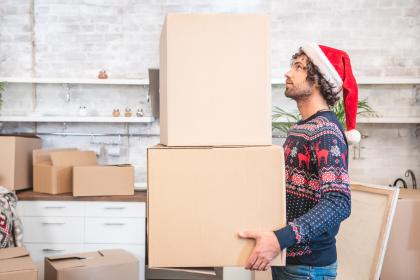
(115, 230)
(53, 229)
(51, 208)
(116, 209)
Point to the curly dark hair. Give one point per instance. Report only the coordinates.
(327, 89)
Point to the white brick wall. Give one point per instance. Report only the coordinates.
(78, 38)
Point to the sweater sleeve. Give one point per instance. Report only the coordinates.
(329, 153)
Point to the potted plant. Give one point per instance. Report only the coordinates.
(283, 120)
(2, 89)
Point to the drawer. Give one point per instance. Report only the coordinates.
(39, 251)
(115, 230)
(138, 250)
(51, 208)
(53, 229)
(116, 209)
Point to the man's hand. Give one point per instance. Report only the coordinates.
(267, 247)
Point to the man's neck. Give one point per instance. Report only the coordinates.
(311, 105)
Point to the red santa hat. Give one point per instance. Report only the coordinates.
(335, 66)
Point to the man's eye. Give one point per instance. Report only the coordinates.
(299, 67)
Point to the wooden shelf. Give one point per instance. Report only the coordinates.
(76, 119)
(13, 80)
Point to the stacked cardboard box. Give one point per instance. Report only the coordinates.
(70, 170)
(16, 160)
(216, 173)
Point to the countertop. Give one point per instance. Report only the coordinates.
(139, 196)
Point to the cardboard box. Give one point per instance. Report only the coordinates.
(200, 198)
(402, 258)
(103, 180)
(53, 168)
(215, 80)
(104, 265)
(16, 264)
(207, 273)
(16, 160)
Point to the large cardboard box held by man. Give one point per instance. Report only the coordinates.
(16, 264)
(200, 198)
(53, 168)
(402, 258)
(16, 160)
(215, 80)
(104, 265)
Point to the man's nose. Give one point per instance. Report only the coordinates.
(287, 74)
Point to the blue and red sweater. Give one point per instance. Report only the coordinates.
(317, 189)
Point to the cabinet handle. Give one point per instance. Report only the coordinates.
(114, 224)
(114, 208)
(55, 207)
(53, 223)
(52, 250)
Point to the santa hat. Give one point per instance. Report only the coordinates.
(335, 66)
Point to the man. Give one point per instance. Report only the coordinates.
(316, 160)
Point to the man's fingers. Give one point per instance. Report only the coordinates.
(248, 234)
(262, 265)
(251, 260)
(257, 264)
(267, 266)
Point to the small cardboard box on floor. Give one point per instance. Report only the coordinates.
(200, 198)
(230, 55)
(402, 258)
(16, 264)
(104, 265)
(16, 160)
(70, 170)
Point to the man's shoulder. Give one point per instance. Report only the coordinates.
(327, 126)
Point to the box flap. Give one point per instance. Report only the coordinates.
(92, 259)
(43, 155)
(73, 158)
(25, 135)
(14, 252)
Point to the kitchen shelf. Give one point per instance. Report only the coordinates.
(74, 81)
(372, 81)
(76, 119)
(144, 82)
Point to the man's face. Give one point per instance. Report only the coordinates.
(297, 87)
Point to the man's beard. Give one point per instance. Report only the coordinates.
(298, 93)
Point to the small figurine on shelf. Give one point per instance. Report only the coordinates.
(102, 75)
(83, 112)
(116, 112)
(139, 113)
(128, 112)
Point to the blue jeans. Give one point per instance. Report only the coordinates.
(301, 272)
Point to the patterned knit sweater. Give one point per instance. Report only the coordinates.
(317, 189)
